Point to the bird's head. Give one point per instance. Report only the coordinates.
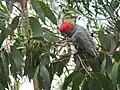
(66, 26)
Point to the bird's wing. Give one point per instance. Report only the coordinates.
(83, 40)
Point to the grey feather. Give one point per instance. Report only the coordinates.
(83, 41)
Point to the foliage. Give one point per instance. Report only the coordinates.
(44, 53)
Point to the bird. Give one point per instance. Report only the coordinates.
(84, 44)
(80, 37)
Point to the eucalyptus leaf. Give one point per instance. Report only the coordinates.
(114, 4)
(94, 83)
(38, 9)
(108, 66)
(116, 56)
(48, 12)
(35, 26)
(85, 85)
(4, 33)
(2, 25)
(29, 69)
(106, 83)
(14, 23)
(115, 74)
(45, 76)
(77, 80)
(107, 40)
(68, 80)
(49, 35)
(117, 24)
(16, 57)
(3, 8)
(5, 64)
(2, 87)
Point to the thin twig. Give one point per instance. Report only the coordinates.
(6, 45)
(61, 48)
(62, 41)
(61, 60)
(84, 66)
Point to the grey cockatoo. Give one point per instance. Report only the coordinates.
(80, 37)
(83, 43)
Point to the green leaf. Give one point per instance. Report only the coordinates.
(106, 83)
(41, 83)
(77, 80)
(44, 33)
(47, 12)
(1, 39)
(5, 64)
(3, 12)
(68, 80)
(115, 74)
(106, 40)
(14, 23)
(114, 4)
(104, 43)
(10, 5)
(100, 2)
(35, 26)
(39, 32)
(108, 66)
(38, 9)
(16, 57)
(3, 74)
(2, 7)
(4, 16)
(116, 56)
(16, 62)
(85, 85)
(45, 76)
(117, 24)
(103, 65)
(57, 67)
(29, 69)
(100, 58)
(13, 68)
(52, 71)
(49, 35)
(2, 87)
(94, 64)
(4, 34)
(46, 58)
(94, 83)
(118, 74)
(2, 25)
(109, 10)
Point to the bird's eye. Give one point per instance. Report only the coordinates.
(79, 18)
